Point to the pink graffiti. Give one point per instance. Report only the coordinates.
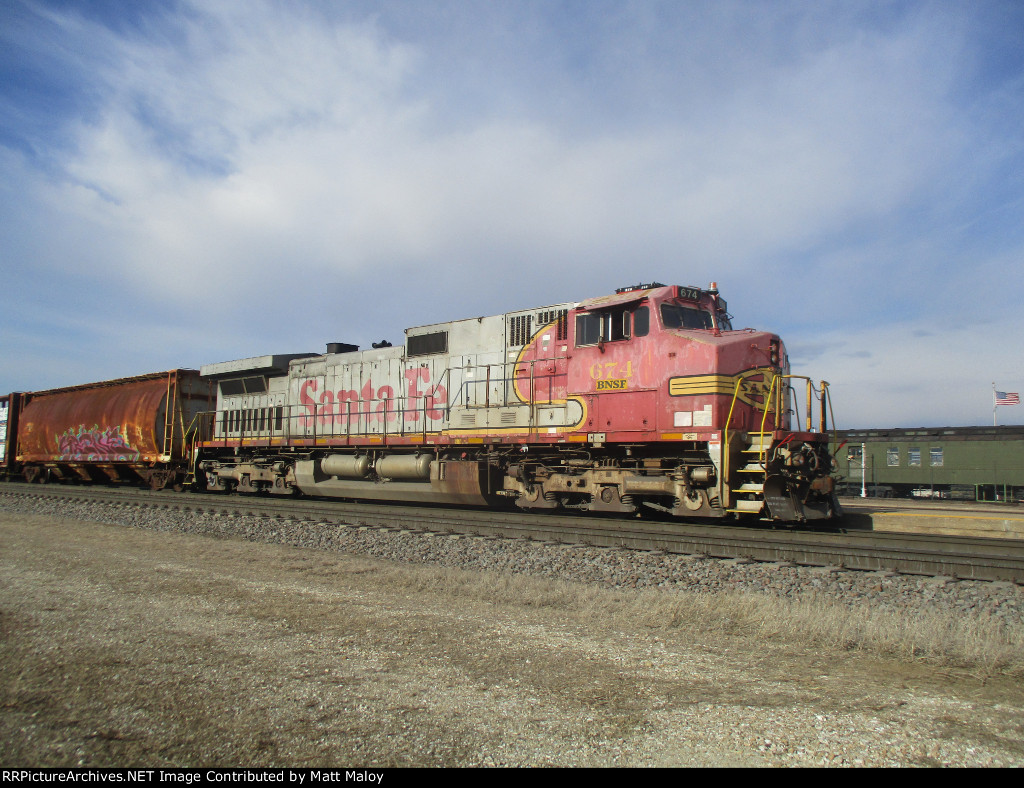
(95, 444)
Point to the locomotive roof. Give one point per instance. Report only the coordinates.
(415, 330)
(627, 296)
(622, 296)
(258, 365)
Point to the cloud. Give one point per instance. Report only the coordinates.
(282, 174)
(900, 374)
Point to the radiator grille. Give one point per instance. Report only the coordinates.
(559, 316)
(520, 329)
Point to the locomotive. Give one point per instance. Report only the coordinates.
(646, 399)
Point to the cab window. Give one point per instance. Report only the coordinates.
(679, 316)
(641, 321)
(612, 325)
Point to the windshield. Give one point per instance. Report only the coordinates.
(677, 316)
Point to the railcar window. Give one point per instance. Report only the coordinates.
(251, 385)
(618, 325)
(641, 321)
(678, 316)
(588, 328)
(595, 327)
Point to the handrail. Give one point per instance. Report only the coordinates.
(774, 396)
(725, 443)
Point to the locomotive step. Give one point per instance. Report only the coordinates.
(746, 507)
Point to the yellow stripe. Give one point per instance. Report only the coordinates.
(701, 384)
(752, 391)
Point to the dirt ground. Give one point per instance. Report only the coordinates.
(123, 647)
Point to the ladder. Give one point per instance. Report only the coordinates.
(190, 437)
(170, 410)
(748, 498)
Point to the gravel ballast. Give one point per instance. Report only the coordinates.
(613, 568)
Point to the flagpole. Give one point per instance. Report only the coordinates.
(993, 403)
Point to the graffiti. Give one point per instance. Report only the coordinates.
(106, 445)
(372, 405)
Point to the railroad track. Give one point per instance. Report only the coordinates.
(919, 554)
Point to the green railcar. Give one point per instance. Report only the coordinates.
(967, 463)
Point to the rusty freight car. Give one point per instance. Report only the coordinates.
(129, 429)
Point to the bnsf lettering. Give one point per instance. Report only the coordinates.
(612, 384)
(374, 405)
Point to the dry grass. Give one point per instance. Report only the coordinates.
(982, 645)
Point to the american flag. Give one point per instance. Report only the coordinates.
(1007, 398)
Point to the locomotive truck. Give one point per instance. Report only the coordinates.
(644, 399)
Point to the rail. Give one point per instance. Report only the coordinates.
(913, 553)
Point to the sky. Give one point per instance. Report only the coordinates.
(183, 183)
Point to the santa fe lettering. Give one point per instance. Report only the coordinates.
(353, 776)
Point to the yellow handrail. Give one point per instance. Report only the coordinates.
(775, 390)
(725, 445)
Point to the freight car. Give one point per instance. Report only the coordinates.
(958, 463)
(647, 398)
(130, 429)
